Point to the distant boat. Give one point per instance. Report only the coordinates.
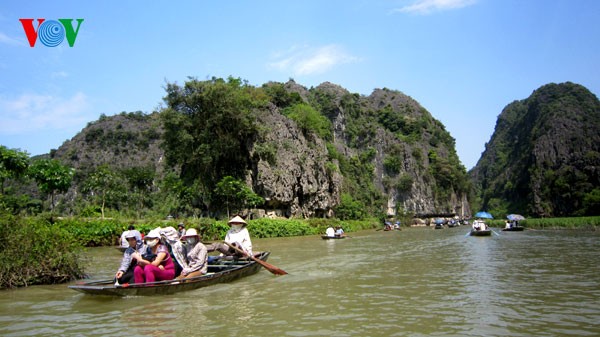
(482, 232)
(514, 229)
(327, 237)
(514, 223)
(480, 229)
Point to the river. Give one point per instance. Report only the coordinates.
(414, 282)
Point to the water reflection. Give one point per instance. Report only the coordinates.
(416, 282)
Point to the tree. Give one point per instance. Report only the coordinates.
(52, 177)
(104, 184)
(310, 120)
(13, 164)
(208, 126)
(140, 180)
(237, 194)
(349, 209)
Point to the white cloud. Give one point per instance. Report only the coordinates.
(33, 112)
(306, 60)
(5, 39)
(429, 6)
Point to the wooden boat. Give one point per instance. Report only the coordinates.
(327, 237)
(514, 229)
(219, 271)
(483, 232)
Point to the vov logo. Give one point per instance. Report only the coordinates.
(51, 33)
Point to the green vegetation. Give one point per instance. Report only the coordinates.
(213, 129)
(36, 251)
(207, 125)
(581, 223)
(542, 157)
(309, 120)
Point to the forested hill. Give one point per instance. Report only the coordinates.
(543, 158)
(281, 148)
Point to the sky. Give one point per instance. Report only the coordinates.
(462, 60)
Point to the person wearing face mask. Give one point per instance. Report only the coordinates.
(125, 272)
(156, 264)
(238, 235)
(196, 256)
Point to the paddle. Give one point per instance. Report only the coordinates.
(268, 266)
(493, 231)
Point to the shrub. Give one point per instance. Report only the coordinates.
(35, 251)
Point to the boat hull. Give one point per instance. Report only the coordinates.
(217, 273)
(485, 232)
(513, 229)
(326, 237)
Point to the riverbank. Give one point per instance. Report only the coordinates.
(580, 223)
(53, 244)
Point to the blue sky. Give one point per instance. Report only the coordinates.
(463, 60)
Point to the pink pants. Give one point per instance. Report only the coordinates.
(150, 273)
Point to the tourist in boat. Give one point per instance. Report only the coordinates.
(482, 226)
(130, 229)
(181, 229)
(156, 263)
(196, 256)
(330, 232)
(237, 236)
(507, 224)
(125, 272)
(339, 231)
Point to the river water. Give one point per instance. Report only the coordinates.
(414, 282)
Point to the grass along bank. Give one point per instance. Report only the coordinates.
(583, 223)
(47, 250)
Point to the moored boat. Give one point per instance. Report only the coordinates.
(327, 237)
(219, 271)
(513, 229)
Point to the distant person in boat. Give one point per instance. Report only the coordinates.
(339, 231)
(387, 226)
(478, 225)
(130, 229)
(156, 263)
(330, 232)
(181, 229)
(237, 236)
(196, 256)
(508, 224)
(125, 272)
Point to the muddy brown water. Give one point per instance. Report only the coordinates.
(414, 282)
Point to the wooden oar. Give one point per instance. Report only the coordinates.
(268, 266)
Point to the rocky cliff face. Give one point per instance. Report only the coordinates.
(386, 152)
(544, 155)
(402, 160)
(296, 181)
